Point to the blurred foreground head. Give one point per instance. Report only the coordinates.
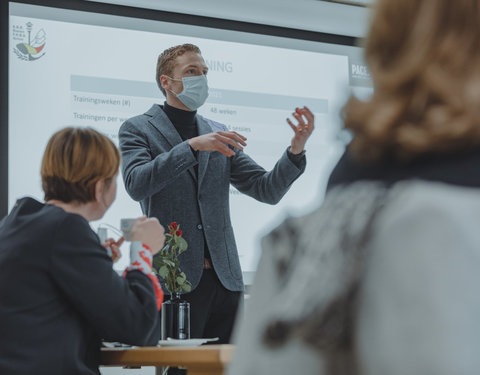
(424, 60)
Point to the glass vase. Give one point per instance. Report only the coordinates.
(175, 315)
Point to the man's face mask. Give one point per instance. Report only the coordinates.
(195, 91)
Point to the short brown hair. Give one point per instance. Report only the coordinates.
(424, 59)
(166, 61)
(74, 160)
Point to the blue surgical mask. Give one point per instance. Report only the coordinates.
(195, 91)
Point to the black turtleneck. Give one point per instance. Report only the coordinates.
(184, 121)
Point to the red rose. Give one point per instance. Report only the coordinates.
(173, 226)
(179, 233)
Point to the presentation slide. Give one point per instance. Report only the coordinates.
(73, 68)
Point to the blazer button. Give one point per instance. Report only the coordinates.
(199, 227)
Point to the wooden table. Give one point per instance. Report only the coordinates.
(199, 360)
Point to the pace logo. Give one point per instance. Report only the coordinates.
(360, 71)
(29, 49)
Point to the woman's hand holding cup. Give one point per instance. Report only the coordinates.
(148, 231)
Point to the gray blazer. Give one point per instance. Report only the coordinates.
(158, 171)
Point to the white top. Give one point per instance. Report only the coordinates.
(419, 305)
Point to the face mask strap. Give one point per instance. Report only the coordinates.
(173, 92)
(173, 79)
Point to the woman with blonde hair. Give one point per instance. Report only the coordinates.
(382, 278)
(59, 295)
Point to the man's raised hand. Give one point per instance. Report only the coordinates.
(302, 130)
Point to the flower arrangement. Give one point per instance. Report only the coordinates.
(166, 263)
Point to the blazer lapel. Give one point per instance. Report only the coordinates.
(163, 124)
(160, 121)
(203, 128)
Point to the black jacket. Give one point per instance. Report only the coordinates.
(59, 295)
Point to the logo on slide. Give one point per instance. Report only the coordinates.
(29, 49)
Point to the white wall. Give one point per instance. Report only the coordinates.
(313, 15)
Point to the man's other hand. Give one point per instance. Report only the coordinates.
(218, 141)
